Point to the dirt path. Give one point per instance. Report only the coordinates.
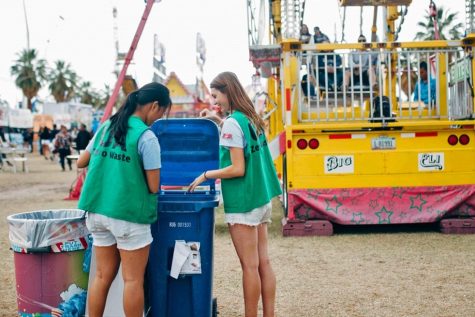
(353, 273)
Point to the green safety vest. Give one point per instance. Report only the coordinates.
(116, 185)
(259, 183)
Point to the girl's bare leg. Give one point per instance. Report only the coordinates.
(107, 264)
(266, 273)
(245, 242)
(133, 271)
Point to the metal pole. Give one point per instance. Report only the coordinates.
(27, 29)
(128, 59)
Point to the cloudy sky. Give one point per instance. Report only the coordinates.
(82, 33)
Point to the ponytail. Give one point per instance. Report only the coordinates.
(148, 93)
(120, 120)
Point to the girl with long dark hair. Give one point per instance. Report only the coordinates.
(119, 195)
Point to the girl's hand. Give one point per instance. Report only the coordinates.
(205, 113)
(208, 114)
(200, 179)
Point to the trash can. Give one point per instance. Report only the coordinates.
(51, 258)
(180, 267)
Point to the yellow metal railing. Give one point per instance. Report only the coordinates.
(382, 82)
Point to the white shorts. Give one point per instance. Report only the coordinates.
(254, 217)
(108, 231)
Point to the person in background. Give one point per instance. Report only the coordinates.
(62, 145)
(52, 136)
(94, 125)
(421, 90)
(119, 195)
(363, 64)
(248, 182)
(3, 143)
(2, 135)
(45, 141)
(82, 139)
(53, 132)
(28, 139)
(330, 70)
(304, 34)
(305, 85)
(74, 133)
(306, 38)
(318, 36)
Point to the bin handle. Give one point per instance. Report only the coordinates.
(212, 187)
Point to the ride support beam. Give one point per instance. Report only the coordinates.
(128, 59)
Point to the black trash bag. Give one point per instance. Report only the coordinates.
(386, 116)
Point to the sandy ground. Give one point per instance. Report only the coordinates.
(384, 271)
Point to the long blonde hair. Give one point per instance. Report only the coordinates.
(228, 84)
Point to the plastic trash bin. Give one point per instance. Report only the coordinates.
(186, 220)
(51, 258)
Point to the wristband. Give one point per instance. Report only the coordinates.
(204, 175)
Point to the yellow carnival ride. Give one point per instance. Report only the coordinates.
(368, 132)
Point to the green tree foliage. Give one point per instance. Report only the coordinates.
(62, 81)
(448, 26)
(30, 73)
(88, 95)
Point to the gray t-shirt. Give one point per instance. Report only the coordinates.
(148, 149)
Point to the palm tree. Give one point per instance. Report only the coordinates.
(104, 96)
(63, 81)
(30, 73)
(85, 92)
(448, 26)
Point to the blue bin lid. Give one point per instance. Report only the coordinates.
(188, 148)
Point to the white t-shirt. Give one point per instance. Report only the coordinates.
(232, 134)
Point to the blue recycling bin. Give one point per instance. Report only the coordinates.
(188, 148)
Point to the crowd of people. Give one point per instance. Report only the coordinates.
(53, 144)
(327, 72)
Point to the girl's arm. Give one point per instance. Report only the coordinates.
(236, 169)
(83, 160)
(153, 180)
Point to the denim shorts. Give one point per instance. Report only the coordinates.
(253, 218)
(108, 231)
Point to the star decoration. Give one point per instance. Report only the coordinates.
(384, 215)
(398, 192)
(357, 218)
(335, 207)
(417, 202)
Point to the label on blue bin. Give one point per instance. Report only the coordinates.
(186, 258)
(179, 224)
